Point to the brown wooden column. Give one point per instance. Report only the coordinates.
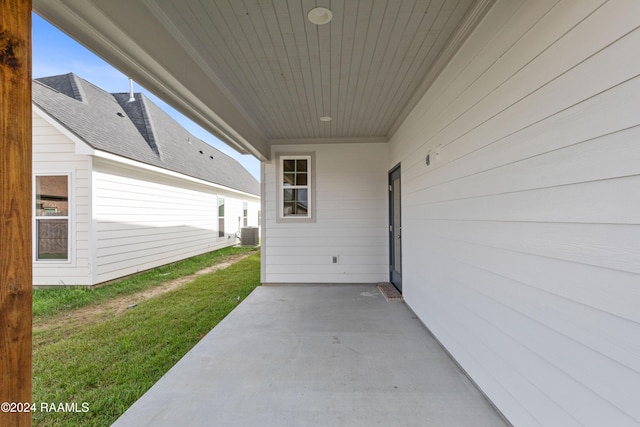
(15, 205)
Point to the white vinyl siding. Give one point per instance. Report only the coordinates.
(521, 239)
(55, 154)
(144, 219)
(351, 215)
(233, 218)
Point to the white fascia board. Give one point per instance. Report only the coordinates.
(81, 146)
(155, 169)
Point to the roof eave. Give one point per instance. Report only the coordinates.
(178, 80)
(81, 146)
(116, 158)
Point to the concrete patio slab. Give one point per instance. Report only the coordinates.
(315, 356)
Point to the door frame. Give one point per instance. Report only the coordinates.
(395, 233)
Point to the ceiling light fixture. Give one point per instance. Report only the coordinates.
(320, 16)
(325, 119)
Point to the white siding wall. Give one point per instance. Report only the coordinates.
(232, 216)
(522, 239)
(253, 219)
(54, 153)
(144, 219)
(351, 209)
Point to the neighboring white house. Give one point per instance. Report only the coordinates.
(120, 187)
(512, 225)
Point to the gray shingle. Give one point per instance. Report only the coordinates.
(137, 130)
(137, 113)
(66, 84)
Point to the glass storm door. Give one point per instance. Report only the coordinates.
(395, 229)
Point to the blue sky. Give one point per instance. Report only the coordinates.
(55, 53)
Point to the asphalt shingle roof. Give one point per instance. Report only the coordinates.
(138, 130)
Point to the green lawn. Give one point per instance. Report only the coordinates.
(52, 301)
(111, 364)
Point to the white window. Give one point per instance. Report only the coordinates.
(52, 218)
(220, 216)
(245, 213)
(295, 188)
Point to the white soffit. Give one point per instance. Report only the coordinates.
(255, 72)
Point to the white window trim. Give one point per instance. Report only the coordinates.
(311, 184)
(70, 224)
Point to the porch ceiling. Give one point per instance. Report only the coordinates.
(256, 73)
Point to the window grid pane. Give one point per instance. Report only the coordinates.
(296, 202)
(52, 195)
(289, 179)
(53, 239)
(294, 172)
(289, 165)
(295, 187)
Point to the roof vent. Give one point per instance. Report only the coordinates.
(131, 95)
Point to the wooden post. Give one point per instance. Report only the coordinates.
(15, 214)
